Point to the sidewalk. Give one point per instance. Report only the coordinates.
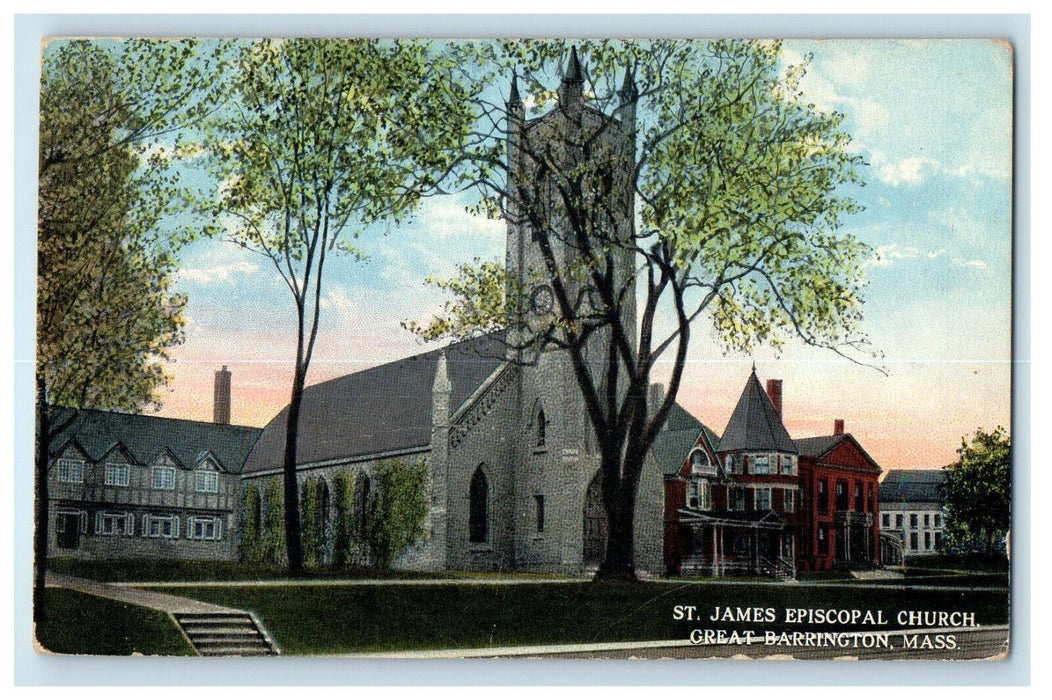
(135, 596)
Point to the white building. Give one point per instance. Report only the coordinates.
(912, 506)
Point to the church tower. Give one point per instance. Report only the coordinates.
(569, 208)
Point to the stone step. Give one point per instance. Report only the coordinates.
(225, 634)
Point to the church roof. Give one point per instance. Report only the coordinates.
(677, 438)
(381, 409)
(144, 437)
(913, 486)
(755, 424)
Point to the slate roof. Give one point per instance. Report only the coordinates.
(381, 409)
(144, 437)
(913, 486)
(676, 439)
(817, 446)
(755, 424)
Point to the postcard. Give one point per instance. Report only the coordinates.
(524, 348)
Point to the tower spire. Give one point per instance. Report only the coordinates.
(573, 68)
(513, 96)
(628, 92)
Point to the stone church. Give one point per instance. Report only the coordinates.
(512, 463)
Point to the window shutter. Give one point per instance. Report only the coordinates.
(129, 524)
(175, 526)
(146, 525)
(98, 522)
(219, 528)
(83, 522)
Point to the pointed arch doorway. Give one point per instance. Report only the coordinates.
(595, 524)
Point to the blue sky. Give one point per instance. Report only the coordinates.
(933, 119)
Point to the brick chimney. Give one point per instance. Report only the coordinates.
(221, 403)
(774, 390)
(838, 426)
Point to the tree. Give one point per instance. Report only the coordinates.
(324, 138)
(979, 489)
(397, 511)
(106, 310)
(706, 181)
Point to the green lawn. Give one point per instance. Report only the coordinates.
(78, 623)
(117, 570)
(335, 619)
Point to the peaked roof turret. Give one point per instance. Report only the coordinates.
(628, 92)
(573, 68)
(755, 425)
(513, 95)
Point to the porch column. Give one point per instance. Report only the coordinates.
(715, 553)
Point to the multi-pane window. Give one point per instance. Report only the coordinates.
(163, 477)
(823, 496)
(207, 481)
(737, 500)
(913, 521)
(699, 495)
(734, 463)
(913, 541)
(898, 521)
(763, 499)
(860, 506)
(823, 539)
(841, 495)
(761, 464)
(938, 520)
(927, 540)
(927, 519)
(108, 523)
(116, 474)
(71, 471)
(205, 528)
(164, 526)
(789, 501)
(788, 465)
(886, 520)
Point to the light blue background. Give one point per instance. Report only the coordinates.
(34, 669)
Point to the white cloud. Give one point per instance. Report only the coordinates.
(886, 255)
(445, 217)
(910, 170)
(217, 273)
(979, 264)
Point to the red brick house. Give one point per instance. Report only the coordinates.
(755, 500)
(839, 521)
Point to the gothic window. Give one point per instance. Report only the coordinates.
(539, 500)
(361, 501)
(542, 428)
(478, 508)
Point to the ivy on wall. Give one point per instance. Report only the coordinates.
(375, 532)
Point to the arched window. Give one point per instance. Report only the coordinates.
(361, 501)
(478, 510)
(699, 461)
(542, 427)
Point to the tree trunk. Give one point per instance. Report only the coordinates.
(40, 504)
(619, 500)
(293, 545)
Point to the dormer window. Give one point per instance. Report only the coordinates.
(207, 481)
(788, 465)
(71, 471)
(699, 462)
(163, 478)
(116, 474)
